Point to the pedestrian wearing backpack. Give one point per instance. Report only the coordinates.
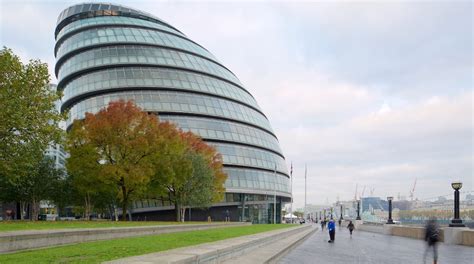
(431, 238)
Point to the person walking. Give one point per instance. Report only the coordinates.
(332, 230)
(323, 223)
(340, 222)
(431, 238)
(350, 226)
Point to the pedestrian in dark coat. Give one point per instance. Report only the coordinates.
(431, 238)
(350, 226)
(332, 231)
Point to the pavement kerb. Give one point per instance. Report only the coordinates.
(290, 246)
(13, 241)
(214, 252)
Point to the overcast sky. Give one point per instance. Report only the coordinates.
(369, 93)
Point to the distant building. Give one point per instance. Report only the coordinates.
(402, 205)
(57, 153)
(373, 203)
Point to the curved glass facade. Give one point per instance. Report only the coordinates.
(108, 52)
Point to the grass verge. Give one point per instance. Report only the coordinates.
(99, 251)
(42, 225)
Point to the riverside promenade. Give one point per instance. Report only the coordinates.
(371, 248)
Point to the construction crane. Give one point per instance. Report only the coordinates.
(355, 194)
(372, 191)
(412, 191)
(363, 191)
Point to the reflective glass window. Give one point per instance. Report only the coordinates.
(114, 34)
(260, 180)
(107, 79)
(196, 102)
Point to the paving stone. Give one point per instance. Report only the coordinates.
(372, 248)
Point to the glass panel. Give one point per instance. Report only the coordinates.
(132, 54)
(198, 105)
(79, 39)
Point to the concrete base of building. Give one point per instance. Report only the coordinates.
(216, 213)
(197, 214)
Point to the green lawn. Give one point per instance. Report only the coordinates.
(96, 252)
(41, 225)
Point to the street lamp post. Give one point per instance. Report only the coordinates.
(341, 212)
(456, 222)
(390, 220)
(358, 210)
(331, 212)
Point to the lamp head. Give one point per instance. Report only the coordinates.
(389, 198)
(456, 185)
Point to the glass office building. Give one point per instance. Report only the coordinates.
(106, 52)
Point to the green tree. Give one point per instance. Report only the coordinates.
(191, 171)
(197, 191)
(120, 140)
(83, 166)
(28, 118)
(40, 183)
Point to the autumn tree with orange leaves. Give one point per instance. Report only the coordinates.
(137, 155)
(122, 139)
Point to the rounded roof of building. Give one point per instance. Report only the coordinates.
(78, 11)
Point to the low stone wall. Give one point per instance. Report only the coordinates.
(21, 240)
(412, 232)
(369, 228)
(449, 235)
(224, 250)
(468, 238)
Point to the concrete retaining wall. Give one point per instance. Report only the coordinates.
(412, 232)
(449, 235)
(21, 240)
(219, 251)
(468, 238)
(370, 228)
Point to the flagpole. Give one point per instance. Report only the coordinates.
(291, 186)
(274, 197)
(305, 172)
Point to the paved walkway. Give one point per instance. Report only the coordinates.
(372, 248)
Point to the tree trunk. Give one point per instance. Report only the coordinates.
(87, 207)
(124, 203)
(177, 209)
(34, 209)
(183, 213)
(23, 206)
(115, 213)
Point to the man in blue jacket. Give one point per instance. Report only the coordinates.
(332, 230)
